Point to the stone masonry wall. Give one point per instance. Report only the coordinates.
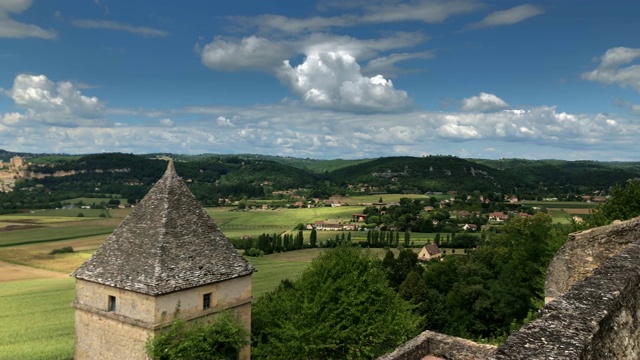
(595, 281)
(584, 252)
(598, 318)
(443, 346)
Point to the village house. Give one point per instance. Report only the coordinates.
(358, 217)
(498, 216)
(428, 252)
(350, 227)
(332, 227)
(470, 227)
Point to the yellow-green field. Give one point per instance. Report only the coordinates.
(280, 218)
(36, 291)
(37, 319)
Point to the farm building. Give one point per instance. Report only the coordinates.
(167, 254)
(428, 252)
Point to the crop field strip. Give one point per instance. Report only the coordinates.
(37, 319)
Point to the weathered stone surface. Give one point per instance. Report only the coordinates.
(584, 252)
(595, 280)
(440, 345)
(598, 318)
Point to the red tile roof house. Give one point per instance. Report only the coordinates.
(498, 216)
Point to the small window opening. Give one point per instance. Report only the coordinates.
(206, 301)
(112, 303)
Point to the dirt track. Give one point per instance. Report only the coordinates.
(13, 272)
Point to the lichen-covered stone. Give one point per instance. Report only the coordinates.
(598, 318)
(442, 346)
(584, 252)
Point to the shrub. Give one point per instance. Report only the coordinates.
(254, 252)
(221, 339)
(64, 250)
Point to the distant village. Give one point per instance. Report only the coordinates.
(18, 168)
(10, 171)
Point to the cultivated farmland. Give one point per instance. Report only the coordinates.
(36, 292)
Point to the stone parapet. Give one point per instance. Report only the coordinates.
(598, 318)
(584, 252)
(440, 345)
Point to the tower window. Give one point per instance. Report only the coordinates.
(206, 301)
(112, 303)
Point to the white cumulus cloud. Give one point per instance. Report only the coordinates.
(10, 28)
(483, 102)
(334, 80)
(252, 52)
(611, 69)
(167, 122)
(294, 130)
(58, 103)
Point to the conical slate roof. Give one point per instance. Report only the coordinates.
(168, 243)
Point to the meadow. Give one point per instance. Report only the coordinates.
(37, 319)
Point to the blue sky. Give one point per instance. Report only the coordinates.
(331, 79)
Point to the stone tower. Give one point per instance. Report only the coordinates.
(167, 253)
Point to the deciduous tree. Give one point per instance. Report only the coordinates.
(341, 307)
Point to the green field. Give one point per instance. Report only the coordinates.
(72, 212)
(54, 233)
(37, 319)
(561, 204)
(228, 218)
(276, 267)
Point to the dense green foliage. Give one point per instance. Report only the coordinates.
(220, 339)
(624, 204)
(432, 173)
(214, 179)
(494, 288)
(341, 307)
(312, 165)
(562, 179)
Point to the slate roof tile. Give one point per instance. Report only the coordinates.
(168, 243)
